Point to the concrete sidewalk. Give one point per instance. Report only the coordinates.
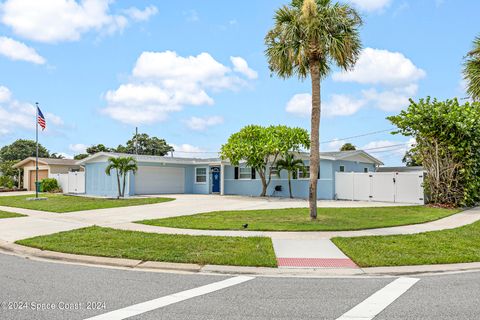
(321, 253)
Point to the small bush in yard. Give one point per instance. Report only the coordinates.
(6, 182)
(50, 185)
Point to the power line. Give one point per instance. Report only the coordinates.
(322, 142)
(391, 146)
(357, 136)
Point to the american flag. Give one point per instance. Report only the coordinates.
(41, 119)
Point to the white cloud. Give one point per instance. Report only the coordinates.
(342, 105)
(371, 5)
(241, 66)
(201, 124)
(64, 20)
(21, 115)
(141, 15)
(164, 82)
(385, 150)
(391, 100)
(16, 50)
(78, 148)
(338, 105)
(382, 67)
(335, 144)
(5, 94)
(300, 105)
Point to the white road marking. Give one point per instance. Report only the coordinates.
(170, 299)
(377, 302)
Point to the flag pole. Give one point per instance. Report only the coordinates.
(36, 157)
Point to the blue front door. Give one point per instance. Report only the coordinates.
(216, 180)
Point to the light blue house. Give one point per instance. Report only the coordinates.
(171, 175)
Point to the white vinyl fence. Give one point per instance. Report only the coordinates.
(72, 182)
(401, 187)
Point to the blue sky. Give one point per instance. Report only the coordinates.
(194, 72)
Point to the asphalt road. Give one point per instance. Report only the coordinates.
(30, 289)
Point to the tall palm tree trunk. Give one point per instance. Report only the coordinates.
(118, 184)
(290, 185)
(123, 187)
(314, 138)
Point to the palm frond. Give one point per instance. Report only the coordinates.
(471, 70)
(331, 35)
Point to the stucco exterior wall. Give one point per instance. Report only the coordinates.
(98, 183)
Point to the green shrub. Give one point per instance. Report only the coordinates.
(447, 138)
(6, 182)
(50, 185)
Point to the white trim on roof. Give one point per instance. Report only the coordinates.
(151, 159)
(217, 161)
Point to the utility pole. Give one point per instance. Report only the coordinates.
(36, 157)
(136, 141)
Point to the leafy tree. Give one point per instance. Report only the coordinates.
(260, 147)
(122, 166)
(9, 172)
(22, 149)
(98, 148)
(471, 70)
(291, 165)
(307, 38)
(447, 138)
(146, 145)
(81, 156)
(411, 158)
(348, 147)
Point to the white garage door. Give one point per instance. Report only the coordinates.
(157, 180)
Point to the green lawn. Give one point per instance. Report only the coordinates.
(437, 247)
(60, 203)
(106, 242)
(4, 214)
(329, 219)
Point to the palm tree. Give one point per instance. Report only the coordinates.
(307, 38)
(471, 70)
(122, 166)
(290, 164)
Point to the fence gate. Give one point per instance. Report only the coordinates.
(401, 187)
(72, 182)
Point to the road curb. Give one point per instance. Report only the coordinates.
(29, 252)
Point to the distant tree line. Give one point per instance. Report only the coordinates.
(141, 144)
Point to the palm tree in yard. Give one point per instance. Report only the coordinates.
(471, 70)
(122, 166)
(291, 165)
(309, 36)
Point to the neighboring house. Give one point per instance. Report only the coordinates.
(400, 169)
(163, 175)
(46, 168)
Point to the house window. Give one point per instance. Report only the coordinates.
(365, 170)
(201, 175)
(244, 173)
(342, 168)
(306, 175)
